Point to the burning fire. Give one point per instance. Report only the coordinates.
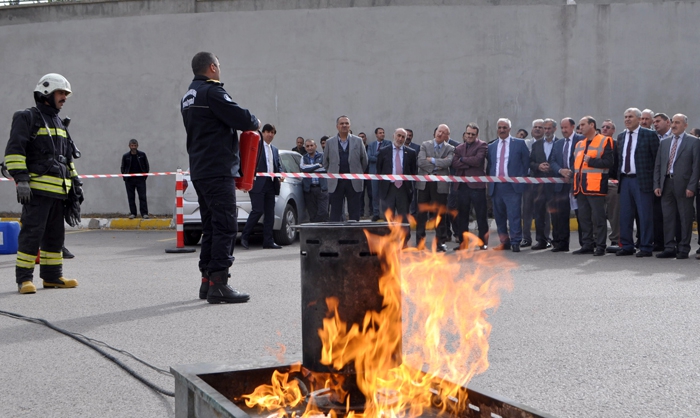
(434, 312)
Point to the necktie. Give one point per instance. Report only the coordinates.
(671, 156)
(397, 167)
(567, 154)
(628, 164)
(502, 160)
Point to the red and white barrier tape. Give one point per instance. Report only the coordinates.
(457, 179)
(110, 176)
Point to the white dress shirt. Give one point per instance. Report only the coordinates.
(633, 168)
(502, 143)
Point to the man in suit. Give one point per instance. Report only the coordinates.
(372, 153)
(528, 205)
(262, 195)
(561, 165)
(507, 157)
(366, 198)
(435, 157)
(676, 175)
(315, 189)
(470, 160)
(344, 154)
(540, 166)
(637, 148)
(396, 195)
(567, 127)
(612, 199)
(415, 147)
(593, 158)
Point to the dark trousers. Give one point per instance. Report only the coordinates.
(262, 203)
(398, 201)
(345, 191)
(42, 227)
(452, 214)
(316, 201)
(560, 219)
(677, 210)
(612, 211)
(217, 204)
(431, 202)
(366, 198)
(591, 218)
(528, 208)
(543, 207)
(659, 227)
(634, 201)
(506, 211)
(467, 198)
(133, 185)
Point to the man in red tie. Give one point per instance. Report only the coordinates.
(396, 195)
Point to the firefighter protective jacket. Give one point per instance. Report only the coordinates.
(211, 120)
(45, 161)
(591, 178)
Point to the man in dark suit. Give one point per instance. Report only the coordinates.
(415, 147)
(396, 195)
(372, 153)
(637, 148)
(435, 157)
(345, 153)
(507, 157)
(561, 165)
(540, 166)
(676, 175)
(470, 160)
(262, 195)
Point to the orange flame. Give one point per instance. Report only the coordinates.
(434, 312)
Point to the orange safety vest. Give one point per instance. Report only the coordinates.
(588, 180)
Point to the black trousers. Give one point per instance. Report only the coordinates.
(42, 227)
(466, 198)
(543, 207)
(430, 197)
(217, 204)
(345, 191)
(133, 185)
(398, 201)
(316, 201)
(262, 203)
(560, 218)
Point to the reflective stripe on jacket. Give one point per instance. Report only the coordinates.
(591, 178)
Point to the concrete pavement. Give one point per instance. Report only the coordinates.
(578, 335)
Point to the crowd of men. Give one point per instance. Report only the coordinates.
(649, 173)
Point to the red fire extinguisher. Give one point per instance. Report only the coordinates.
(248, 145)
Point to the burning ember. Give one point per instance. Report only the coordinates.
(434, 312)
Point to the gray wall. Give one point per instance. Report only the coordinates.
(304, 64)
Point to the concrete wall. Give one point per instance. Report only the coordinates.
(300, 67)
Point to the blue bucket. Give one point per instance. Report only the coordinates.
(9, 233)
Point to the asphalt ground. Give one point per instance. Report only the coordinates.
(578, 336)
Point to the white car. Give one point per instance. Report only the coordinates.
(289, 206)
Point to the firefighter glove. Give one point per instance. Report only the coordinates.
(24, 193)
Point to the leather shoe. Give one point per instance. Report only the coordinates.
(681, 256)
(502, 247)
(515, 248)
(524, 243)
(583, 250)
(441, 248)
(598, 252)
(641, 253)
(244, 243)
(613, 249)
(539, 246)
(658, 248)
(667, 254)
(272, 246)
(623, 252)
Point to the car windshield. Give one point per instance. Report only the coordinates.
(290, 162)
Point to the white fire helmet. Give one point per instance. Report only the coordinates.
(52, 82)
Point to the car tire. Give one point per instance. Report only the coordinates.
(286, 234)
(192, 236)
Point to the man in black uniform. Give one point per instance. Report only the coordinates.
(39, 158)
(211, 120)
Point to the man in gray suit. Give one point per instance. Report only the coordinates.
(345, 153)
(434, 157)
(676, 175)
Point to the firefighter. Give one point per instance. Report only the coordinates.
(211, 119)
(39, 156)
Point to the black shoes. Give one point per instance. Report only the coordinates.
(502, 247)
(624, 252)
(681, 256)
(560, 249)
(441, 248)
(641, 253)
(525, 243)
(221, 292)
(244, 243)
(515, 248)
(584, 250)
(599, 252)
(612, 249)
(375, 218)
(540, 246)
(66, 253)
(204, 287)
(272, 246)
(668, 254)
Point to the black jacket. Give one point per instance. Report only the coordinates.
(211, 120)
(140, 158)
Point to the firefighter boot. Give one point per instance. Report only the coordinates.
(221, 292)
(204, 287)
(26, 287)
(60, 283)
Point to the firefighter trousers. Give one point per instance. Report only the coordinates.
(42, 227)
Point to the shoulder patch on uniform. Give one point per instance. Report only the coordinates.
(228, 98)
